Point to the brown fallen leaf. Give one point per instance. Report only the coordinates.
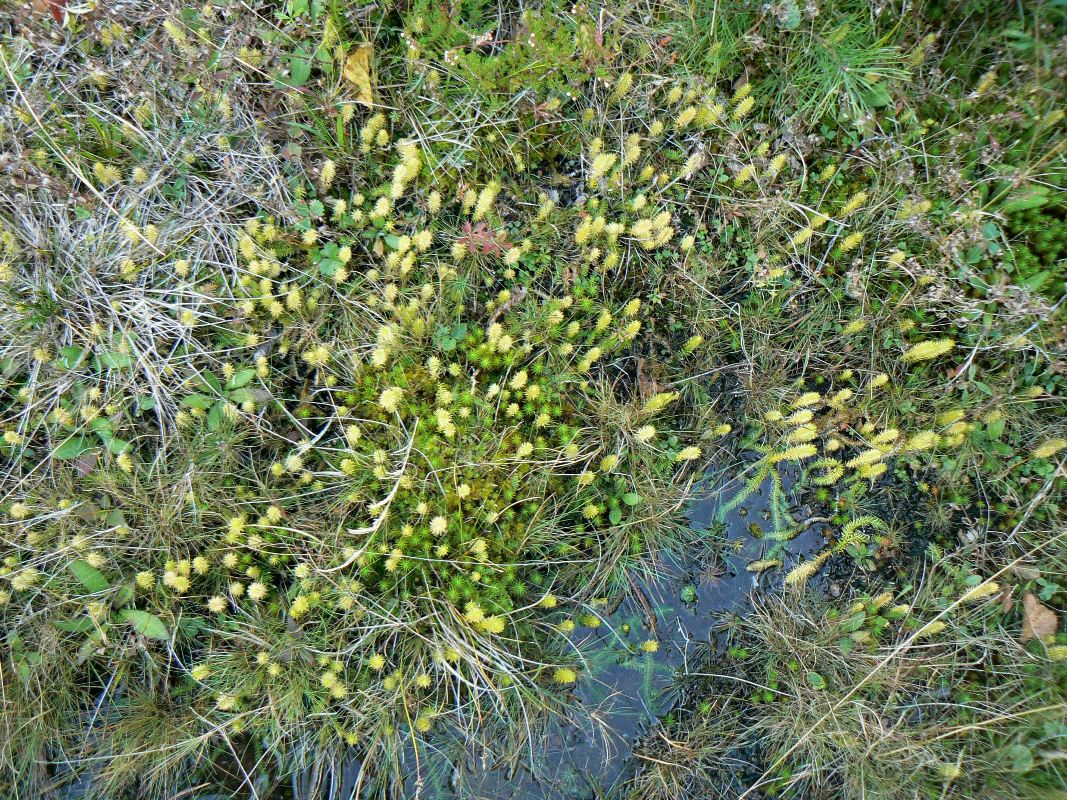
(647, 384)
(56, 8)
(570, 272)
(1039, 621)
(85, 463)
(1007, 599)
(357, 72)
(1026, 573)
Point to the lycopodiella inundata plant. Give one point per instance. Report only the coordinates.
(830, 441)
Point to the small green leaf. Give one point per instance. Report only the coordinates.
(85, 652)
(854, 622)
(80, 625)
(1037, 280)
(876, 96)
(1025, 199)
(24, 671)
(73, 447)
(299, 69)
(789, 16)
(632, 499)
(240, 378)
(996, 429)
(212, 380)
(200, 401)
(89, 577)
(816, 681)
(1021, 757)
(190, 626)
(70, 357)
(124, 596)
(117, 446)
(115, 359)
(214, 416)
(146, 624)
(100, 425)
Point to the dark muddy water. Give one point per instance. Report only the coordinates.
(627, 689)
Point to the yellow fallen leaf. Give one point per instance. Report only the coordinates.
(357, 72)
